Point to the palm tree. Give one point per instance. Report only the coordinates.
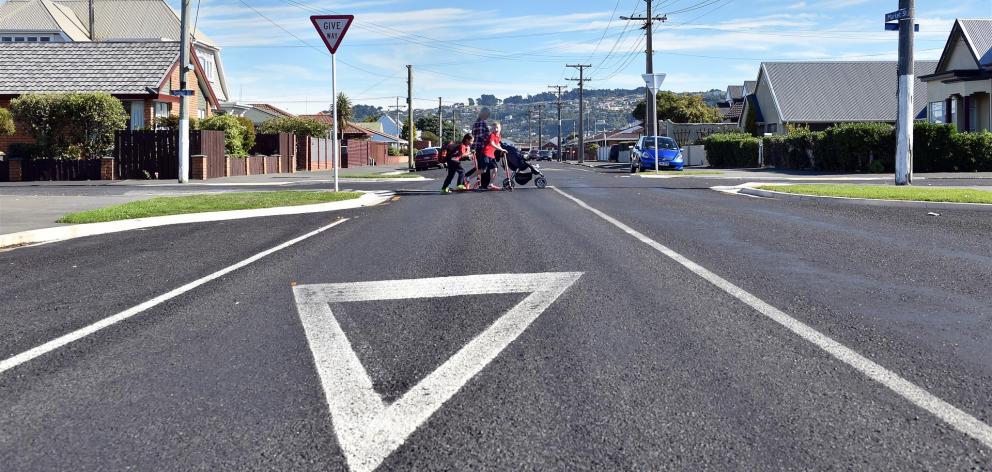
(344, 113)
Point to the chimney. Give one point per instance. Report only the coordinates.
(92, 22)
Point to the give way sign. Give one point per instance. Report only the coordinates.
(332, 29)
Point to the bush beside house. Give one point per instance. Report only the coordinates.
(236, 134)
(297, 126)
(6, 122)
(856, 147)
(76, 125)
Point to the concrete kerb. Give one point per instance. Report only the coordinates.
(749, 189)
(62, 233)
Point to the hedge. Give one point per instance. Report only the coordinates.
(235, 133)
(70, 125)
(731, 150)
(858, 147)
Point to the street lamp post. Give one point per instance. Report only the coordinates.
(653, 82)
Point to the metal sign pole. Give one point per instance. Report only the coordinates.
(336, 150)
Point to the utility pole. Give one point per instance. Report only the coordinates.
(582, 106)
(558, 103)
(650, 102)
(92, 23)
(409, 112)
(540, 127)
(904, 125)
(530, 117)
(184, 49)
(440, 125)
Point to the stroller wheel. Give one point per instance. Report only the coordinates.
(541, 182)
(507, 184)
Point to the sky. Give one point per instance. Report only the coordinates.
(462, 49)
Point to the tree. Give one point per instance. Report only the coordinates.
(72, 125)
(366, 113)
(6, 122)
(681, 109)
(344, 113)
(429, 124)
(471, 102)
(298, 126)
(488, 101)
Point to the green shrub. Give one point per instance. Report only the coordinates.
(78, 124)
(725, 150)
(171, 123)
(853, 147)
(973, 151)
(249, 133)
(933, 148)
(6, 122)
(298, 126)
(776, 151)
(234, 133)
(801, 142)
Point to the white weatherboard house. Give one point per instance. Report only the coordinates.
(53, 21)
(960, 89)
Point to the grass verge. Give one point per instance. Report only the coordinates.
(162, 206)
(884, 192)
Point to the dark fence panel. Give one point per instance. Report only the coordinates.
(255, 164)
(302, 153)
(154, 152)
(61, 169)
(287, 151)
(210, 143)
(238, 166)
(4, 170)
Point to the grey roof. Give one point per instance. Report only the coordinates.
(115, 19)
(979, 34)
(829, 92)
(750, 86)
(27, 16)
(735, 92)
(116, 68)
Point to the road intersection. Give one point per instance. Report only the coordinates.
(609, 323)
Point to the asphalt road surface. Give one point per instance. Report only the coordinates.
(612, 323)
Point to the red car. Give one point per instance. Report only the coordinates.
(427, 158)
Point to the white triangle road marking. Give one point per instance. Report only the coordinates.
(368, 429)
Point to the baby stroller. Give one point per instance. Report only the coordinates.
(523, 171)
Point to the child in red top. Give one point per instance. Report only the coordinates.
(487, 164)
(455, 154)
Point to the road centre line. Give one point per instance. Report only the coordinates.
(80, 333)
(918, 396)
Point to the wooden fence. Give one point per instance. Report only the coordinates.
(210, 144)
(283, 144)
(366, 153)
(61, 169)
(146, 154)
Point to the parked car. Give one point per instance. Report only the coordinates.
(427, 158)
(643, 155)
(545, 155)
(533, 154)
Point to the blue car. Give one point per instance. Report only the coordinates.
(643, 155)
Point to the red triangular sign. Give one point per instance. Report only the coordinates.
(332, 29)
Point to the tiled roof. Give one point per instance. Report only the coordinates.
(979, 34)
(734, 113)
(117, 68)
(830, 92)
(115, 19)
(272, 110)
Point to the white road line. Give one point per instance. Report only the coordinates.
(369, 430)
(950, 414)
(78, 334)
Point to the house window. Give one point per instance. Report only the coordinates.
(937, 112)
(771, 128)
(32, 39)
(137, 112)
(201, 114)
(162, 109)
(18, 39)
(208, 66)
(953, 116)
(45, 39)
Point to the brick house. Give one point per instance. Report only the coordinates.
(140, 74)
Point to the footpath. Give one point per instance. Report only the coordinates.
(34, 205)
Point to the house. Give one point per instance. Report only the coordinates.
(378, 135)
(68, 21)
(960, 88)
(140, 74)
(819, 95)
(390, 126)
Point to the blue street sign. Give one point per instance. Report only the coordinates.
(895, 27)
(182, 93)
(897, 15)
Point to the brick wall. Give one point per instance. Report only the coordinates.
(193, 84)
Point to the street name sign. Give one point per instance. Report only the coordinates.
(332, 29)
(182, 93)
(897, 15)
(369, 429)
(895, 27)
